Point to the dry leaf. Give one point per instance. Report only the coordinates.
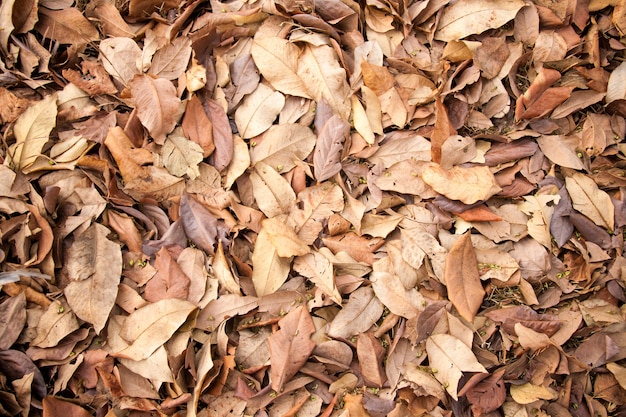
(450, 357)
(319, 270)
(170, 61)
(283, 145)
(269, 270)
(272, 192)
(149, 327)
(588, 199)
(357, 316)
(468, 185)
(32, 131)
(474, 17)
(291, 346)
(94, 265)
(258, 111)
(329, 147)
(121, 58)
(462, 279)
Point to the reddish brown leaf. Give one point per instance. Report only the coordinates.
(291, 346)
(371, 355)
(198, 127)
(465, 290)
(169, 282)
(543, 323)
(54, 407)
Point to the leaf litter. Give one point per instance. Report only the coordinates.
(324, 208)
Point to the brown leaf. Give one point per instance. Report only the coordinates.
(170, 61)
(94, 267)
(94, 78)
(543, 323)
(158, 106)
(198, 127)
(371, 355)
(291, 346)
(282, 145)
(489, 394)
(360, 248)
(462, 279)
(126, 229)
(121, 58)
(442, 131)
(588, 199)
(12, 320)
(53, 407)
(169, 282)
(328, 148)
(67, 26)
(200, 225)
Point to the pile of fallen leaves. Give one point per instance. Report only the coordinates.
(313, 207)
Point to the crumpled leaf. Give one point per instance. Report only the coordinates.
(32, 131)
(291, 346)
(149, 327)
(169, 281)
(462, 279)
(468, 185)
(473, 17)
(94, 267)
(451, 357)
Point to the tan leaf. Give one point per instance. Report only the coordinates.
(392, 293)
(619, 372)
(224, 308)
(360, 248)
(239, 163)
(329, 147)
(67, 26)
(284, 238)
(258, 111)
(319, 270)
(269, 271)
(371, 355)
(109, 18)
(272, 192)
(540, 209)
(528, 393)
(325, 78)
(181, 156)
(378, 225)
(169, 282)
(94, 267)
(32, 131)
(450, 357)
(561, 150)
(462, 279)
(473, 17)
(549, 46)
(158, 106)
(151, 326)
(291, 346)
(283, 146)
(361, 311)
(121, 58)
(171, 61)
(203, 365)
(411, 147)
(277, 60)
(616, 88)
(222, 271)
(57, 322)
(588, 199)
(361, 122)
(468, 185)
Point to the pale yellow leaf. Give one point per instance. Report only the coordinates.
(284, 238)
(361, 122)
(528, 393)
(450, 357)
(258, 111)
(471, 17)
(468, 185)
(588, 199)
(269, 271)
(32, 131)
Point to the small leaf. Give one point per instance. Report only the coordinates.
(291, 346)
(450, 358)
(462, 279)
(94, 266)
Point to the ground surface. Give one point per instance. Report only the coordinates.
(313, 208)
